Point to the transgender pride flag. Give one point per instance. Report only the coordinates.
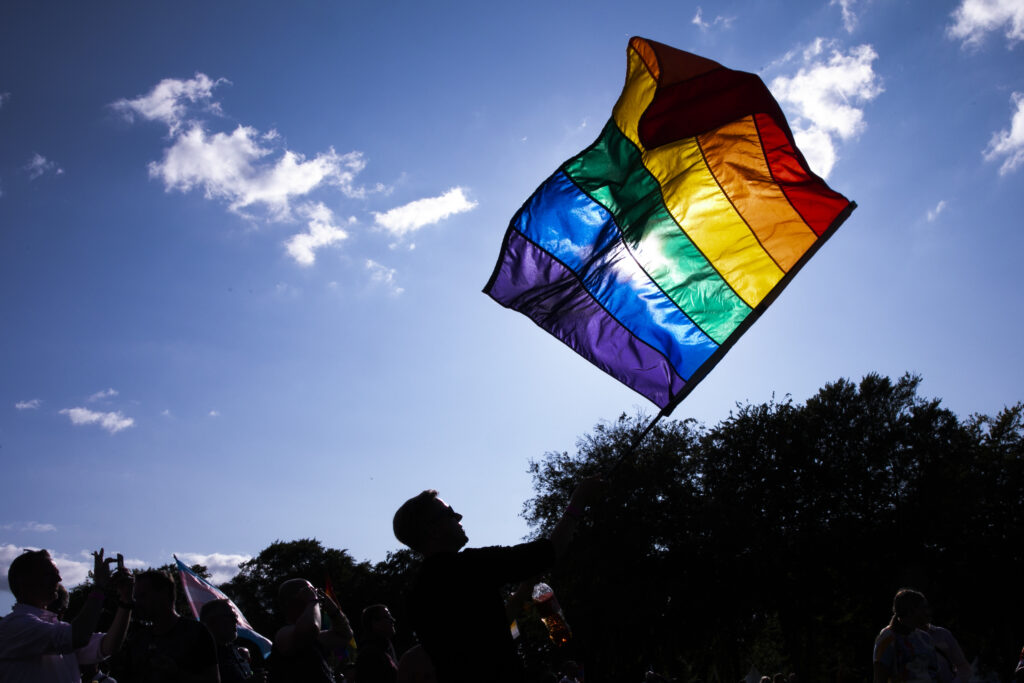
(653, 250)
(198, 592)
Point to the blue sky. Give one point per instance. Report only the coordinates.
(242, 246)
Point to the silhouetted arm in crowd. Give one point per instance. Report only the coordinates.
(338, 636)
(84, 625)
(308, 626)
(585, 492)
(124, 583)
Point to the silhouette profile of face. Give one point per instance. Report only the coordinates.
(447, 528)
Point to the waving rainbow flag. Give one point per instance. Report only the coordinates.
(654, 249)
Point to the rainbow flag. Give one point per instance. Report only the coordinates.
(653, 250)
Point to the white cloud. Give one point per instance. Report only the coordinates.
(39, 165)
(100, 395)
(113, 422)
(384, 276)
(233, 167)
(214, 413)
(699, 22)
(222, 566)
(849, 18)
(4, 97)
(34, 527)
(934, 213)
(412, 216)
(31, 404)
(322, 232)
(826, 95)
(973, 20)
(166, 102)
(1009, 144)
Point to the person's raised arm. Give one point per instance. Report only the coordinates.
(340, 632)
(585, 492)
(83, 625)
(306, 627)
(124, 583)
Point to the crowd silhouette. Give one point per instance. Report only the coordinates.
(464, 625)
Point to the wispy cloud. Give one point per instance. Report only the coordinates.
(973, 20)
(38, 165)
(244, 167)
(113, 422)
(234, 167)
(222, 566)
(383, 276)
(699, 21)
(31, 404)
(213, 413)
(934, 213)
(826, 95)
(1008, 144)
(4, 98)
(100, 395)
(410, 217)
(322, 232)
(849, 18)
(34, 527)
(168, 101)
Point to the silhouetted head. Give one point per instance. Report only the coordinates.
(911, 607)
(293, 596)
(34, 578)
(155, 593)
(220, 618)
(427, 524)
(377, 619)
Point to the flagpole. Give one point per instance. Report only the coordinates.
(638, 438)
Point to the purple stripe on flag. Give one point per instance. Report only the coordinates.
(531, 281)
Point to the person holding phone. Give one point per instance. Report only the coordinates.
(35, 645)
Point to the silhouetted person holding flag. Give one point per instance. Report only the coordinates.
(455, 602)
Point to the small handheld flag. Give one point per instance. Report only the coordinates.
(198, 592)
(653, 250)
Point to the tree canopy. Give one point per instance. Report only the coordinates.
(778, 537)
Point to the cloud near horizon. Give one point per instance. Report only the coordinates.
(974, 20)
(113, 422)
(222, 566)
(826, 97)
(1008, 144)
